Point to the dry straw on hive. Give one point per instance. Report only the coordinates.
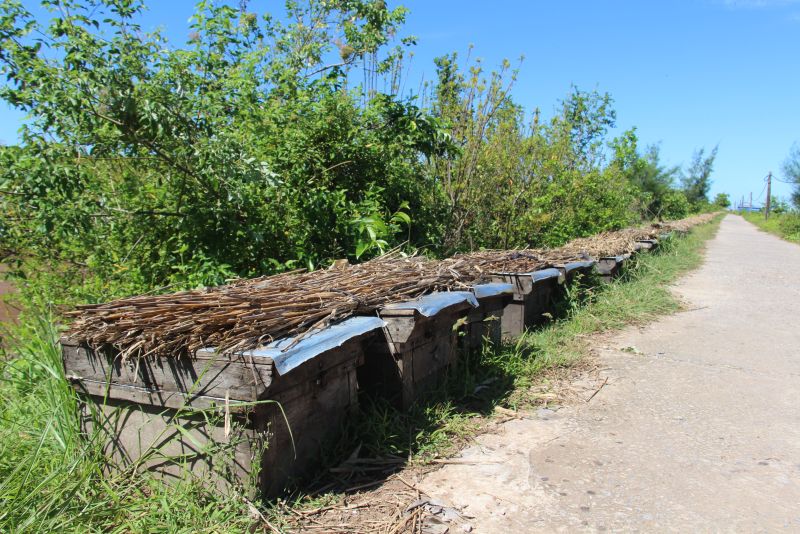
(610, 243)
(248, 313)
(684, 225)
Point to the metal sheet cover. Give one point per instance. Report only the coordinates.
(545, 274)
(493, 289)
(578, 265)
(430, 305)
(315, 344)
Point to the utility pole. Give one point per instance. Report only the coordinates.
(769, 194)
(751, 201)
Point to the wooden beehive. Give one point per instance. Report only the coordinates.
(646, 244)
(420, 344)
(256, 419)
(610, 267)
(485, 321)
(572, 269)
(531, 301)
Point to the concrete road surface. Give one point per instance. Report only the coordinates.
(696, 430)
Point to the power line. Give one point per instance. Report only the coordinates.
(762, 192)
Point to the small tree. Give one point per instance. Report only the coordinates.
(647, 174)
(791, 170)
(245, 151)
(697, 180)
(778, 205)
(723, 200)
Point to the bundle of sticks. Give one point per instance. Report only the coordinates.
(684, 225)
(248, 313)
(608, 244)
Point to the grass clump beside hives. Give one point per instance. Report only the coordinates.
(641, 294)
(53, 480)
(509, 377)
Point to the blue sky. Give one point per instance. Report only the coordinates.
(686, 73)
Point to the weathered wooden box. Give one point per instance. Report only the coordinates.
(572, 269)
(254, 420)
(646, 244)
(610, 267)
(485, 321)
(420, 344)
(531, 301)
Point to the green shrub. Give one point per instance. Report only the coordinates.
(242, 154)
(249, 151)
(675, 205)
(790, 225)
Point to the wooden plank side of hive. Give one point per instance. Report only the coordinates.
(237, 377)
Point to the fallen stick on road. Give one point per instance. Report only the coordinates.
(598, 389)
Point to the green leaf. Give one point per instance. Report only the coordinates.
(401, 217)
(362, 247)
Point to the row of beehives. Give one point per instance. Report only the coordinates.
(261, 416)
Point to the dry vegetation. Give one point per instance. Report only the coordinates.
(247, 313)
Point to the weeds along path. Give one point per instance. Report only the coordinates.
(697, 426)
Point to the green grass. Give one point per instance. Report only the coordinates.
(784, 225)
(51, 479)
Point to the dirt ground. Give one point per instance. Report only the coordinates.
(689, 424)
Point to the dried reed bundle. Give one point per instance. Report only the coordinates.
(610, 243)
(247, 313)
(684, 225)
(619, 242)
(514, 261)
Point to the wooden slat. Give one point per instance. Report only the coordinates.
(237, 377)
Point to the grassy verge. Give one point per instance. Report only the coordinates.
(51, 479)
(784, 225)
(504, 376)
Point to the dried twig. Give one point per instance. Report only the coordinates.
(598, 389)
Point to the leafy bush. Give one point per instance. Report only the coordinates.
(722, 200)
(242, 154)
(250, 150)
(675, 205)
(514, 182)
(790, 226)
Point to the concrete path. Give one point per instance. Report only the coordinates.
(696, 430)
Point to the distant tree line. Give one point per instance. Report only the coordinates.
(268, 143)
